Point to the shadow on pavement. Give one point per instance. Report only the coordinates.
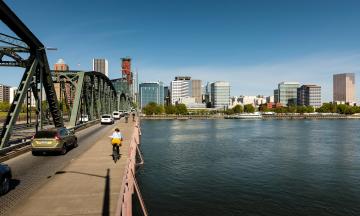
(14, 183)
(106, 199)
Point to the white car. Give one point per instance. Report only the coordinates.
(107, 119)
(116, 115)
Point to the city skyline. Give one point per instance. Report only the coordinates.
(255, 45)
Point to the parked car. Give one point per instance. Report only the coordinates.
(107, 119)
(5, 177)
(84, 118)
(116, 115)
(54, 140)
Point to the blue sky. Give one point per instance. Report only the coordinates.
(253, 44)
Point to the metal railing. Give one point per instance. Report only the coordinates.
(129, 183)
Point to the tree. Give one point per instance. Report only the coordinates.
(181, 109)
(229, 111)
(4, 107)
(238, 109)
(264, 108)
(310, 109)
(249, 108)
(169, 109)
(327, 108)
(150, 108)
(291, 109)
(301, 109)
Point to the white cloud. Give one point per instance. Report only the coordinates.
(264, 77)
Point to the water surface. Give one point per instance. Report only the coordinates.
(240, 167)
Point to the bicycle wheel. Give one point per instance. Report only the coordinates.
(115, 156)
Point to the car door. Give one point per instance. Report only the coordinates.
(64, 136)
(71, 136)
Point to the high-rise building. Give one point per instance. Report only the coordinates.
(101, 65)
(309, 95)
(126, 69)
(196, 90)
(4, 93)
(344, 88)
(220, 94)
(179, 88)
(288, 93)
(151, 92)
(276, 95)
(167, 95)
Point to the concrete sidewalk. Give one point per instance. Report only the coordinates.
(88, 185)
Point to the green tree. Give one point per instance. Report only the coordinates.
(169, 109)
(150, 108)
(291, 109)
(301, 109)
(249, 108)
(4, 107)
(181, 109)
(310, 109)
(280, 110)
(238, 109)
(327, 108)
(159, 109)
(229, 112)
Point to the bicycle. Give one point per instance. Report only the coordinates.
(116, 154)
(116, 143)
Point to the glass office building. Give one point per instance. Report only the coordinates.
(287, 93)
(220, 94)
(151, 92)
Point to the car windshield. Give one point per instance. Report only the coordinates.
(45, 134)
(106, 116)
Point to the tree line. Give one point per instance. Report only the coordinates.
(180, 109)
(153, 108)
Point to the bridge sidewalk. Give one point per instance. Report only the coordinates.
(88, 185)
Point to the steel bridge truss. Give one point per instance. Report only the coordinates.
(81, 94)
(89, 93)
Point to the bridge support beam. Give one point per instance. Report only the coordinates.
(17, 103)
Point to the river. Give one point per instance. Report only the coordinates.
(251, 167)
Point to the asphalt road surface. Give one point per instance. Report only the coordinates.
(31, 172)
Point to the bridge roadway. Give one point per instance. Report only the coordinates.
(85, 181)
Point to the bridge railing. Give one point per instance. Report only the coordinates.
(129, 183)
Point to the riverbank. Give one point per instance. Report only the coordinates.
(263, 117)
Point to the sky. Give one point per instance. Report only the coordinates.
(253, 44)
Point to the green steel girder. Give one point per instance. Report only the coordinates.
(17, 103)
(92, 92)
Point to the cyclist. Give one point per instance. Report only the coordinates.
(133, 115)
(116, 140)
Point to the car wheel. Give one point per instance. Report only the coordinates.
(64, 149)
(5, 185)
(75, 144)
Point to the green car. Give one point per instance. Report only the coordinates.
(54, 140)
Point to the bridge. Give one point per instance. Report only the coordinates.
(75, 181)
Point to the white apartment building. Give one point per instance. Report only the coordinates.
(180, 89)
